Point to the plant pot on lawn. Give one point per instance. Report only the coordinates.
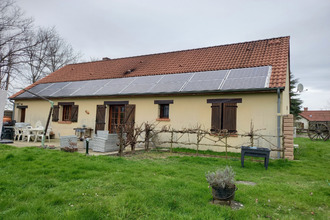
(223, 185)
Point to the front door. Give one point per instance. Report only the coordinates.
(116, 117)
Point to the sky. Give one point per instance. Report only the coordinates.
(124, 28)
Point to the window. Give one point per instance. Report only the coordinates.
(66, 116)
(116, 117)
(224, 114)
(164, 108)
(119, 112)
(65, 112)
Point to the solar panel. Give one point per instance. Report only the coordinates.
(202, 85)
(211, 75)
(138, 88)
(246, 78)
(167, 87)
(64, 92)
(90, 87)
(183, 77)
(52, 89)
(77, 84)
(35, 89)
(25, 95)
(111, 89)
(147, 79)
(123, 80)
(244, 83)
(40, 87)
(115, 86)
(249, 72)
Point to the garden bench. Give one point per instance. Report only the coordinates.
(255, 152)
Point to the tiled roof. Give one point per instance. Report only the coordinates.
(316, 115)
(270, 52)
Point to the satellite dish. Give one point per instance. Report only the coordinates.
(300, 87)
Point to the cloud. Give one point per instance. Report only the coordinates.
(111, 28)
(316, 99)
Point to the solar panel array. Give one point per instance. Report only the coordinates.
(219, 80)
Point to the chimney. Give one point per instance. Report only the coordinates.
(105, 58)
(305, 109)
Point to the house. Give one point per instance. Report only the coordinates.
(313, 116)
(219, 87)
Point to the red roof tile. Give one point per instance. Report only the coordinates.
(316, 115)
(270, 52)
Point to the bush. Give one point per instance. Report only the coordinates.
(221, 178)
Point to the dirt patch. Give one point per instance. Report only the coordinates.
(233, 205)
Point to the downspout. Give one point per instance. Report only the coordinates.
(278, 122)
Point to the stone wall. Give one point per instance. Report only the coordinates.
(288, 137)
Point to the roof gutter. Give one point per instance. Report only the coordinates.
(204, 92)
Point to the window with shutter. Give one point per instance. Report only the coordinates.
(224, 114)
(66, 112)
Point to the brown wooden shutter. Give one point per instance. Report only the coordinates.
(100, 117)
(229, 116)
(216, 117)
(129, 114)
(56, 110)
(74, 113)
(129, 121)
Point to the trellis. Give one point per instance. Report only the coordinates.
(147, 131)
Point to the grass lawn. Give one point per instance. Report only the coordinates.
(46, 184)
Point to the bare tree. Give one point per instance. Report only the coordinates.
(15, 29)
(48, 53)
(59, 53)
(26, 52)
(35, 57)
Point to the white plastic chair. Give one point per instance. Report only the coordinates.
(38, 124)
(27, 133)
(47, 135)
(18, 134)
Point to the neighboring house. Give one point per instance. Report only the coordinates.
(314, 115)
(220, 87)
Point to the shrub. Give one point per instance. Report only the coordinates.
(222, 178)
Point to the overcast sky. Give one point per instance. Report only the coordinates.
(123, 28)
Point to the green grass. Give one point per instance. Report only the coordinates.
(206, 152)
(47, 184)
